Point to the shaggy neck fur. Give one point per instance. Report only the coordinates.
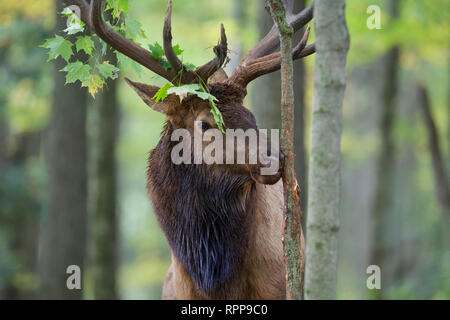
(204, 215)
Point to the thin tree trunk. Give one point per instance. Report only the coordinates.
(382, 203)
(64, 228)
(292, 238)
(442, 186)
(332, 43)
(266, 96)
(104, 189)
(238, 14)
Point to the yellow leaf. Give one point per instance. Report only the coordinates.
(93, 84)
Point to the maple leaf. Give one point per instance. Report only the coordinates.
(58, 46)
(84, 43)
(77, 71)
(161, 94)
(93, 84)
(107, 70)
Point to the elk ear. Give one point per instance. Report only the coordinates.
(147, 92)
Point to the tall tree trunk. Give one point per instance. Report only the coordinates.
(332, 43)
(382, 203)
(441, 179)
(64, 228)
(266, 96)
(104, 189)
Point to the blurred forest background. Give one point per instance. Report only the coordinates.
(72, 169)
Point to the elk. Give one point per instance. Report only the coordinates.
(223, 223)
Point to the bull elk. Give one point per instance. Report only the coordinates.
(223, 223)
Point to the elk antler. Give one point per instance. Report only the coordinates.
(91, 14)
(261, 60)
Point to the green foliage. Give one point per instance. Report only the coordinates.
(182, 91)
(217, 115)
(162, 92)
(84, 43)
(58, 46)
(117, 7)
(107, 70)
(133, 30)
(95, 74)
(77, 71)
(177, 49)
(157, 51)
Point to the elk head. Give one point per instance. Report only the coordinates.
(193, 113)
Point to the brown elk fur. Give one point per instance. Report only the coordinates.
(224, 228)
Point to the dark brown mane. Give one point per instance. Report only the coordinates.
(205, 216)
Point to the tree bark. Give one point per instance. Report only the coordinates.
(292, 238)
(332, 43)
(382, 202)
(104, 189)
(266, 97)
(64, 229)
(441, 179)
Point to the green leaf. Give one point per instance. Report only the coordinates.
(126, 62)
(122, 7)
(104, 46)
(77, 71)
(177, 49)
(166, 65)
(204, 95)
(157, 51)
(184, 90)
(190, 67)
(134, 29)
(217, 115)
(107, 70)
(84, 43)
(58, 46)
(161, 94)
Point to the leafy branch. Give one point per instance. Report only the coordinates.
(94, 74)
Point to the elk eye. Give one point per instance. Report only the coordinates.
(205, 126)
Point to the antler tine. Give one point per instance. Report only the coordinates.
(261, 59)
(271, 42)
(125, 46)
(174, 61)
(221, 51)
(91, 14)
(255, 68)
